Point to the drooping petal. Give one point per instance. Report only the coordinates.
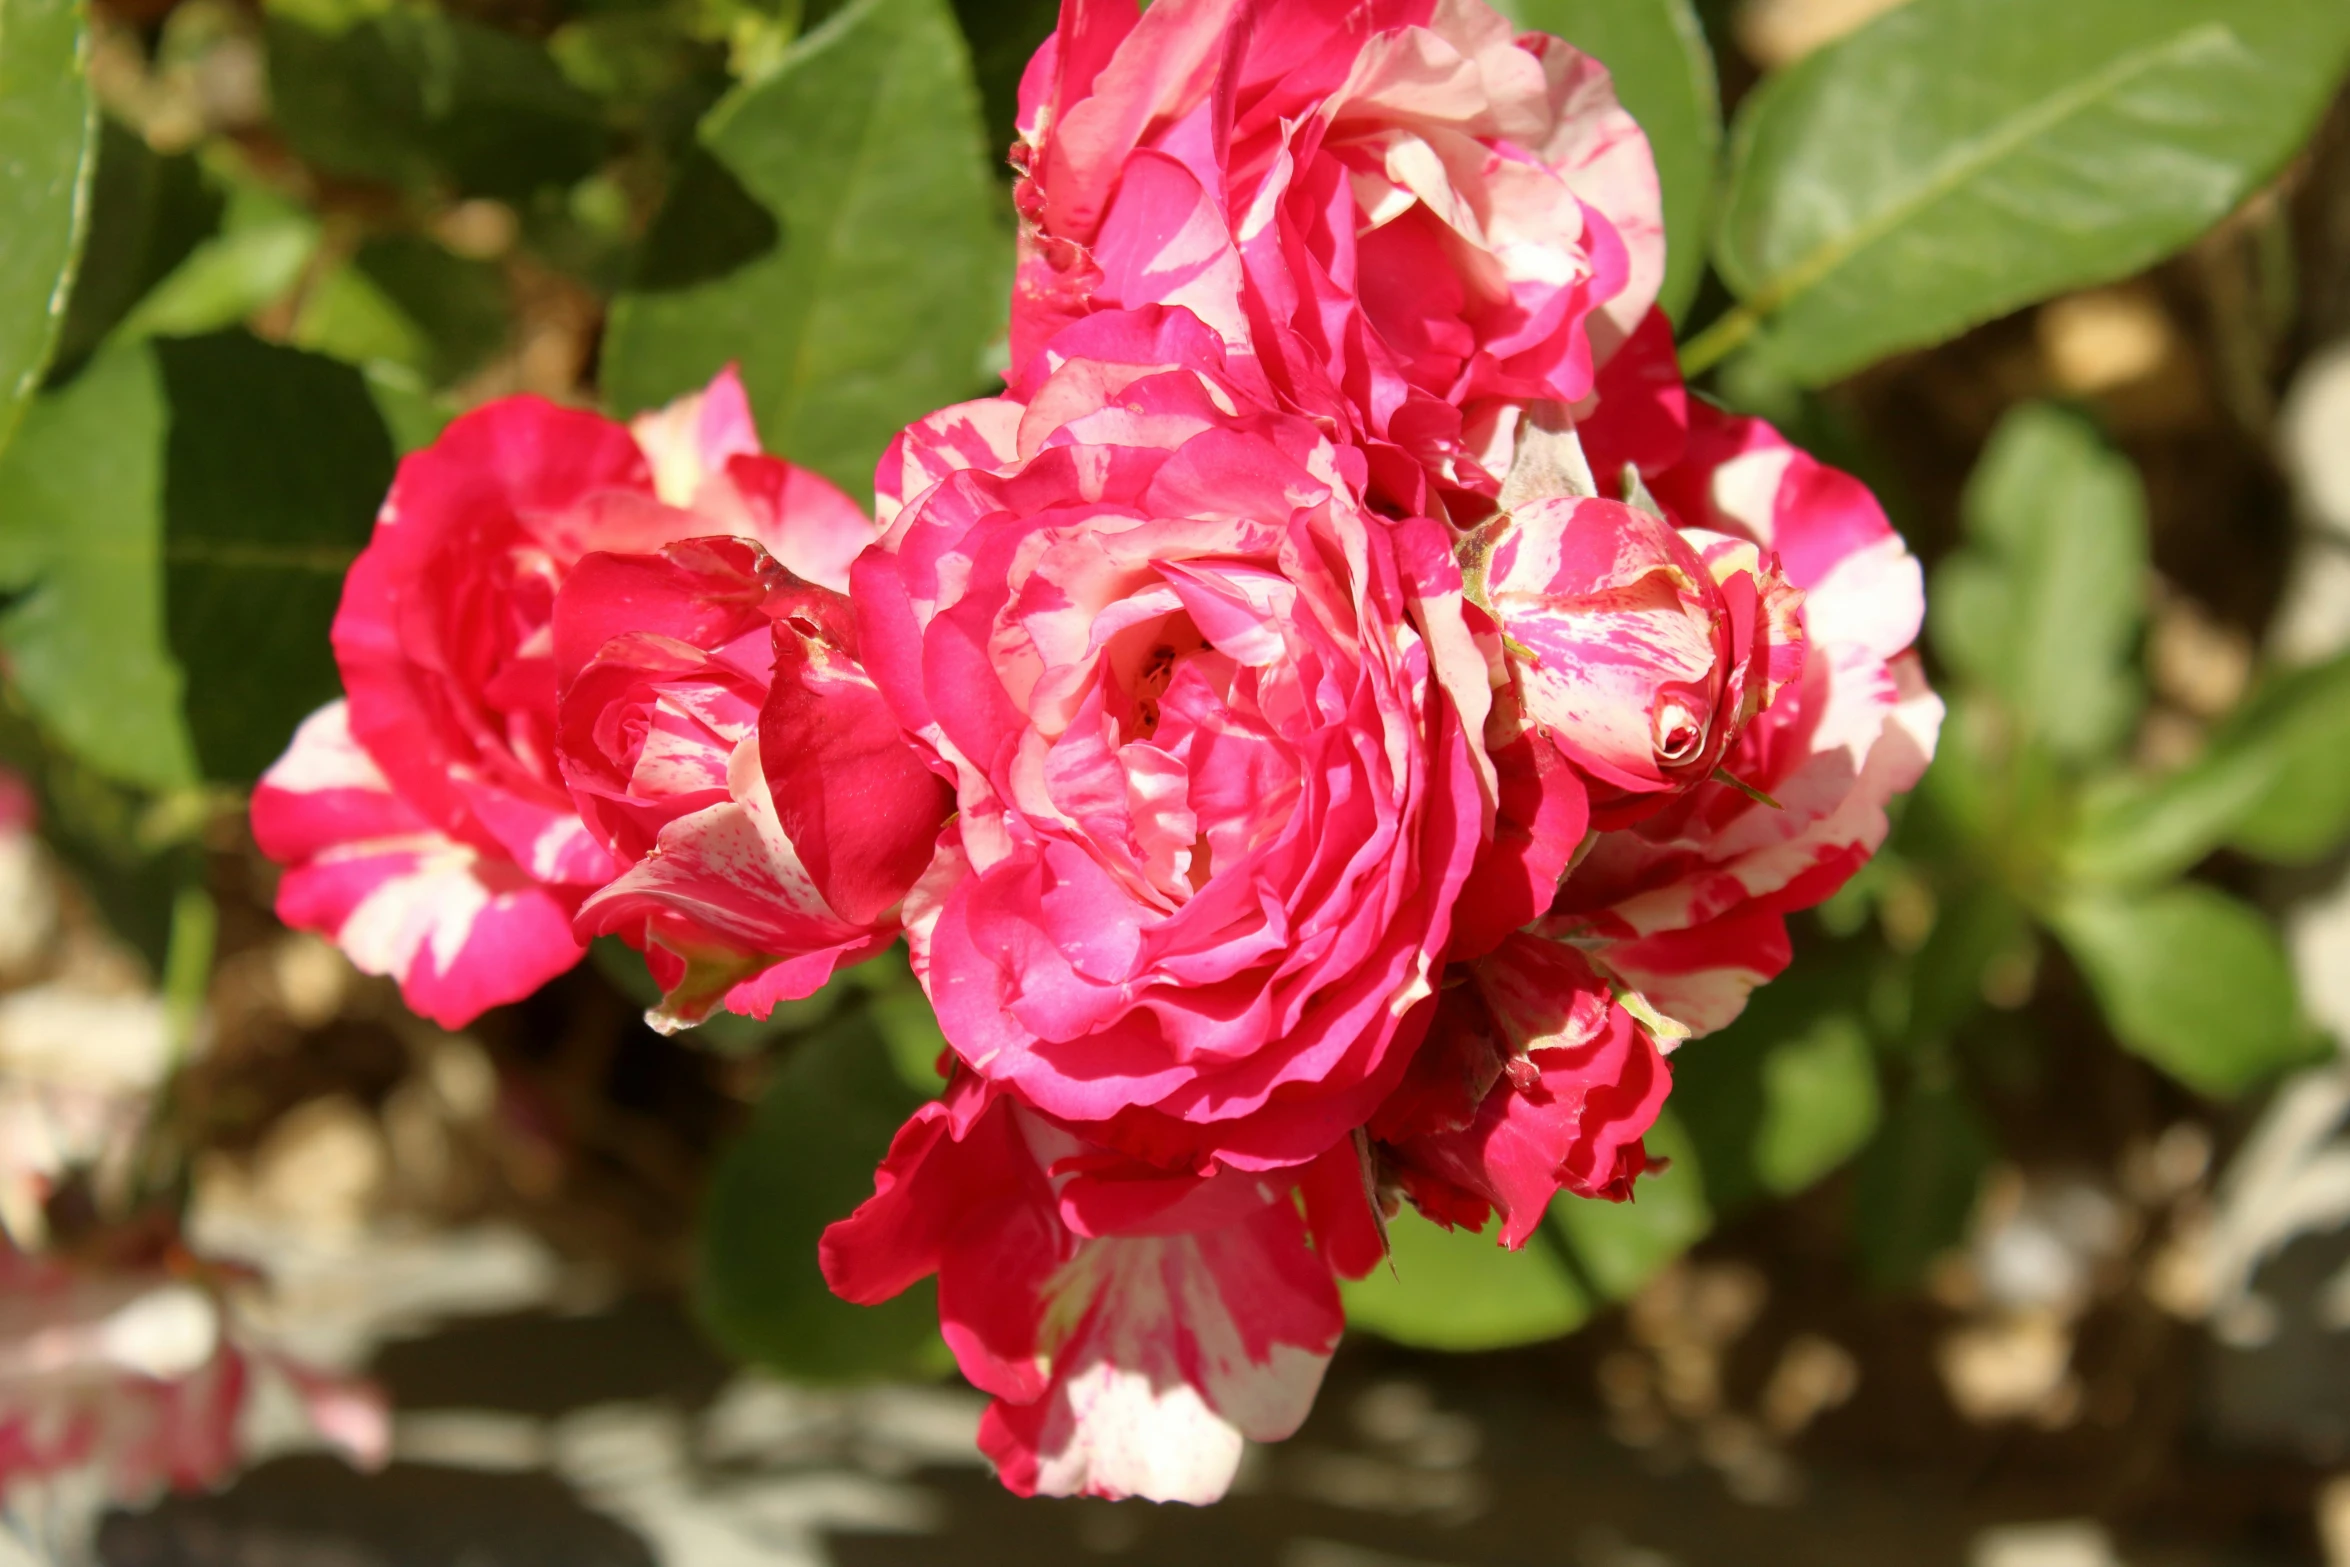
(460, 930)
(1132, 1364)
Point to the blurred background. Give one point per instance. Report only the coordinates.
(2006, 1230)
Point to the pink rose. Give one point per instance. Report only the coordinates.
(1772, 608)
(422, 821)
(1689, 905)
(1638, 650)
(726, 748)
(1214, 808)
(1417, 221)
(1534, 1080)
(1134, 1325)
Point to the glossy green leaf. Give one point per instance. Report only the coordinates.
(1914, 1188)
(277, 462)
(81, 556)
(893, 262)
(1622, 1245)
(2043, 607)
(1458, 1290)
(1958, 158)
(808, 1159)
(1664, 74)
(48, 154)
(2193, 980)
(147, 212)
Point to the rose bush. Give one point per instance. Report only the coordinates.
(423, 821)
(1327, 732)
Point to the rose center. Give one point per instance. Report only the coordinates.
(1145, 682)
(1680, 730)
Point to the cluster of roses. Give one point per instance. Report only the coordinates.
(1324, 734)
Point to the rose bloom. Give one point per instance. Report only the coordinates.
(1717, 677)
(1418, 221)
(1689, 903)
(1134, 1324)
(422, 821)
(726, 748)
(1214, 809)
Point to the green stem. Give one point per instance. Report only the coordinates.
(187, 964)
(1719, 341)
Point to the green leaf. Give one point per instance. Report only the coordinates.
(2193, 980)
(2301, 720)
(1458, 1290)
(2271, 782)
(460, 306)
(1956, 159)
(264, 243)
(418, 98)
(709, 226)
(277, 463)
(890, 276)
(1786, 1093)
(403, 300)
(1978, 925)
(1819, 1104)
(808, 1159)
(1664, 74)
(906, 1020)
(2043, 607)
(48, 153)
(81, 552)
(147, 212)
(413, 416)
(1622, 1245)
(633, 58)
(345, 316)
(1915, 1186)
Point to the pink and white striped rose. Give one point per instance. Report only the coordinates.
(726, 748)
(1417, 220)
(1134, 1323)
(1214, 808)
(1547, 1061)
(423, 821)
